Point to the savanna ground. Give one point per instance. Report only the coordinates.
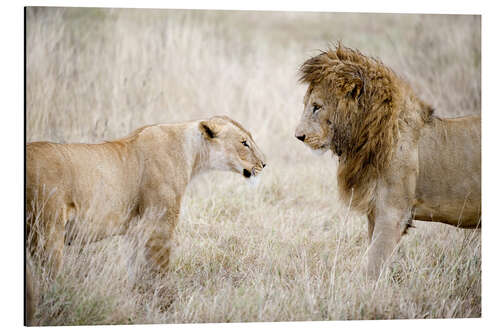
(284, 250)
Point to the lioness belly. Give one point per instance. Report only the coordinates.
(91, 226)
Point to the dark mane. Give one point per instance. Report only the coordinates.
(369, 117)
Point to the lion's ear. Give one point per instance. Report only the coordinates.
(208, 129)
(355, 88)
(351, 82)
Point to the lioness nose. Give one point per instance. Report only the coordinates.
(263, 165)
(301, 137)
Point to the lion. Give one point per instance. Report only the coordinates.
(116, 183)
(398, 162)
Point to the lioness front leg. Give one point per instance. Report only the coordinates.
(158, 242)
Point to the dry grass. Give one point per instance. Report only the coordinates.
(286, 249)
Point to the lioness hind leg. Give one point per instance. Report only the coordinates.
(46, 215)
(51, 240)
(31, 295)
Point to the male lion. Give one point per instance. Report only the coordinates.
(114, 184)
(397, 161)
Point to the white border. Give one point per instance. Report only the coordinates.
(380, 6)
(12, 163)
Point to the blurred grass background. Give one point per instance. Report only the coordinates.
(287, 249)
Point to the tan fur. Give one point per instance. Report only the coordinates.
(31, 296)
(100, 190)
(397, 161)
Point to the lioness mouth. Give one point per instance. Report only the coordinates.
(246, 173)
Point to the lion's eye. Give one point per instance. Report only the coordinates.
(316, 107)
(244, 143)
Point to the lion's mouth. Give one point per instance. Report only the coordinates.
(246, 173)
(315, 145)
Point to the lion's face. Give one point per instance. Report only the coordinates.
(231, 147)
(331, 114)
(315, 127)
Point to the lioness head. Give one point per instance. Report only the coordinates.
(231, 147)
(333, 102)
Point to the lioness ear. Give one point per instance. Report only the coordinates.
(207, 129)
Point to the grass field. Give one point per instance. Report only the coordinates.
(284, 250)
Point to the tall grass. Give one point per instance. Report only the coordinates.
(286, 249)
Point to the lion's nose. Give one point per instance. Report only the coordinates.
(301, 137)
(263, 165)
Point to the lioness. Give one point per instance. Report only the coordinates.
(31, 296)
(397, 161)
(114, 183)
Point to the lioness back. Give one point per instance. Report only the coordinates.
(81, 176)
(78, 168)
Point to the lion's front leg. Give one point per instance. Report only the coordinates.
(386, 225)
(394, 199)
(385, 237)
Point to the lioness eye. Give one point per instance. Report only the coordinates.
(316, 107)
(244, 143)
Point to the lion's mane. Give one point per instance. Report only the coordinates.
(371, 116)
